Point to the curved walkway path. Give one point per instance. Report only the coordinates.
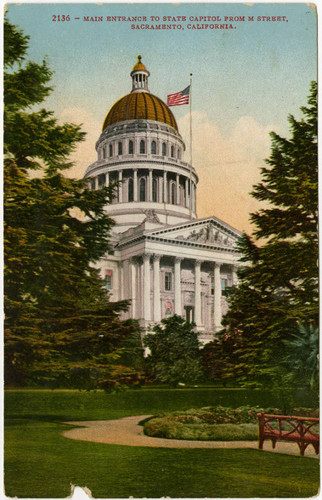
(126, 431)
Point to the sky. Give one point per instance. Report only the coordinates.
(246, 80)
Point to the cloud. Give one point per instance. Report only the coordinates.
(228, 165)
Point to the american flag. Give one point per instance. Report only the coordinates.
(179, 98)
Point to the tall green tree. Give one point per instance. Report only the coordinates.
(174, 354)
(278, 287)
(59, 320)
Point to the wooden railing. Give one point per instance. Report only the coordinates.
(286, 428)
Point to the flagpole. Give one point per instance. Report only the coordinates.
(190, 123)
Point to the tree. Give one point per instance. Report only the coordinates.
(278, 287)
(174, 352)
(218, 357)
(59, 320)
(302, 356)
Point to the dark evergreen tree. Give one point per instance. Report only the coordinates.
(278, 287)
(174, 354)
(60, 326)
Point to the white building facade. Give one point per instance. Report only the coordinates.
(164, 259)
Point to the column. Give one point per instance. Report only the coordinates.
(107, 178)
(160, 198)
(146, 288)
(177, 286)
(178, 190)
(234, 275)
(193, 199)
(186, 191)
(165, 188)
(135, 184)
(156, 288)
(133, 286)
(197, 293)
(217, 297)
(120, 186)
(150, 186)
(121, 284)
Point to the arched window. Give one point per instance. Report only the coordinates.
(130, 189)
(179, 154)
(142, 189)
(111, 150)
(120, 149)
(103, 153)
(155, 190)
(172, 151)
(164, 149)
(153, 148)
(130, 147)
(142, 147)
(101, 181)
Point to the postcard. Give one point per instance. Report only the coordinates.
(161, 288)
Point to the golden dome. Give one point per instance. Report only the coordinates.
(139, 65)
(140, 105)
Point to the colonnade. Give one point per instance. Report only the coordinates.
(161, 193)
(150, 310)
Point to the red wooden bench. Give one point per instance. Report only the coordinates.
(298, 430)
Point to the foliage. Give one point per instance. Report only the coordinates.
(60, 326)
(302, 356)
(217, 423)
(174, 352)
(173, 429)
(218, 358)
(278, 288)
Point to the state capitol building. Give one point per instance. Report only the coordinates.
(163, 258)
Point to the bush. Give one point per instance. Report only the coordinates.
(213, 423)
(172, 429)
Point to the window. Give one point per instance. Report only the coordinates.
(153, 148)
(189, 314)
(101, 180)
(168, 309)
(142, 147)
(130, 147)
(142, 189)
(130, 189)
(168, 281)
(179, 154)
(108, 279)
(111, 150)
(120, 148)
(154, 190)
(172, 151)
(164, 149)
(103, 153)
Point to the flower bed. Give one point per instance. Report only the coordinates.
(211, 423)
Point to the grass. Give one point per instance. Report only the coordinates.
(39, 462)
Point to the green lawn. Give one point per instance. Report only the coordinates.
(39, 462)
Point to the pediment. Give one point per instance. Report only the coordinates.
(209, 232)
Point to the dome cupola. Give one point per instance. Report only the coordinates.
(140, 104)
(140, 77)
